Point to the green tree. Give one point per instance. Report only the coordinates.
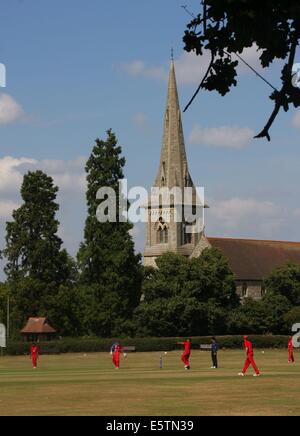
(249, 318)
(274, 313)
(187, 297)
(291, 318)
(266, 316)
(169, 279)
(37, 266)
(227, 27)
(171, 317)
(110, 271)
(3, 302)
(285, 281)
(212, 279)
(276, 307)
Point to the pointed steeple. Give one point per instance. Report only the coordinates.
(173, 170)
(164, 232)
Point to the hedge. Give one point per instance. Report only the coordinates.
(94, 345)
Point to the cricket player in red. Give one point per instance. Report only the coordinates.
(187, 353)
(291, 350)
(116, 351)
(249, 359)
(34, 352)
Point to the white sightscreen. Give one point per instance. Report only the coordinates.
(2, 336)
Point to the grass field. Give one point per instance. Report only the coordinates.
(88, 385)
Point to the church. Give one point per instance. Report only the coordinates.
(250, 260)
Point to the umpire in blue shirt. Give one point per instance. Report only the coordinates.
(214, 353)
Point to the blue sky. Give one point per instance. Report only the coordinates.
(76, 68)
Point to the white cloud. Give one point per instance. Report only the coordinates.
(246, 218)
(11, 173)
(223, 137)
(250, 55)
(6, 208)
(190, 68)
(135, 68)
(139, 68)
(296, 120)
(237, 209)
(68, 175)
(10, 110)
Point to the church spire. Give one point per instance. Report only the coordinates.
(173, 170)
(172, 54)
(164, 232)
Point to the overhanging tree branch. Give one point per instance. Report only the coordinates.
(229, 27)
(281, 98)
(202, 83)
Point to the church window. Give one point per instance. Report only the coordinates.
(245, 290)
(186, 236)
(163, 236)
(162, 232)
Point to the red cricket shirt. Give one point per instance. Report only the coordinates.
(249, 348)
(118, 349)
(34, 351)
(187, 347)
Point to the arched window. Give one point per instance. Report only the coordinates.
(162, 232)
(245, 290)
(164, 236)
(186, 236)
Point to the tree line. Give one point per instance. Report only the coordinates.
(106, 291)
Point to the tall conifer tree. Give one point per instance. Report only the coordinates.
(37, 267)
(110, 269)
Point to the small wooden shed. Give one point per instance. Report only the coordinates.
(38, 330)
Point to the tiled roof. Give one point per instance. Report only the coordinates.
(38, 326)
(256, 259)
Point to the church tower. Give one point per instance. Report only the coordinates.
(164, 232)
